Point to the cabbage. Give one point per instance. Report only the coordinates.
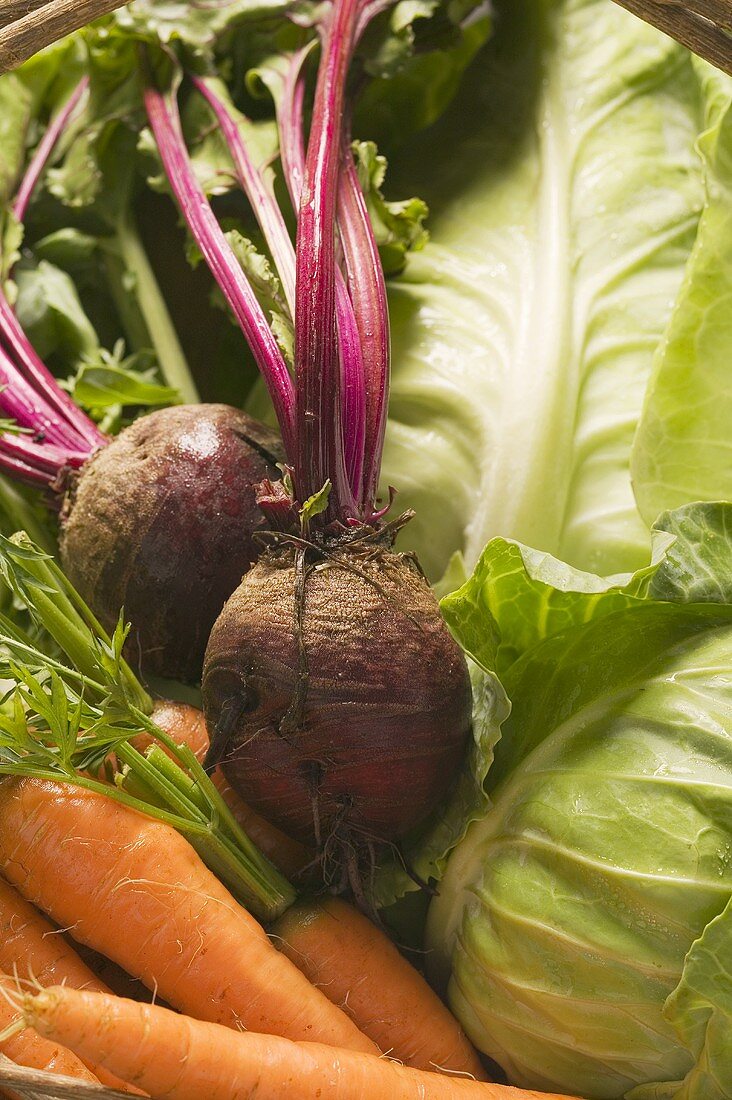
(567, 267)
(582, 925)
(681, 450)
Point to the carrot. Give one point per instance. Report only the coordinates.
(176, 1058)
(343, 953)
(187, 726)
(28, 1048)
(31, 947)
(135, 890)
(359, 968)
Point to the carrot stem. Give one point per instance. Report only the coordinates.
(59, 609)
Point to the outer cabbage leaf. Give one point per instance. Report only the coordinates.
(565, 193)
(695, 567)
(517, 597)
(700, 1009)
(683, 449)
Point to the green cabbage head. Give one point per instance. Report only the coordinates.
(584, 925)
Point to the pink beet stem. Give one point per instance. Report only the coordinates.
(162, 111)
(261, 199)
(319, 405)
(367, 289)
(45, 148)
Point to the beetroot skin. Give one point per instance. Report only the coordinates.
(387, 709)
(160, 522)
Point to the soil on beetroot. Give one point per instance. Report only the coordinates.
(370, 741)
(162, 522)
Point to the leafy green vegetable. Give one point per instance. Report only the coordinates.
(424, 48)
(107, 382)
(517, 597)
(15, 117)
(565, 193)
(700, 1009)
(198, 27)
(695, 566)
(566, 914)
(682, 449)
(51, 313)
(314, 506)
(398, 226)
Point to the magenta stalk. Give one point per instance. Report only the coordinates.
(162, 112)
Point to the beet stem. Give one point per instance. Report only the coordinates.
(162, 111)
(320, 412)
(25, 405)
(290, 108)
(73, 426)
(43, 405)
(21, 471)
(367, 289)
(260, 196)
(45, 147)
(353, 386)
(42, 456)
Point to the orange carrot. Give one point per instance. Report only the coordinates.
(28, 1048)
(359, 968)
(31, 947)
(177, 1058)
(187, 726)
(134, 889)
(343, 953)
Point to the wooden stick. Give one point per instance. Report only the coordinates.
(10, 10)
(697, 33)
(718, 12)
(22, 38)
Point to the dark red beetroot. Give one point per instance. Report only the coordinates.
(338, 704)
(374, 740)
(161, 522)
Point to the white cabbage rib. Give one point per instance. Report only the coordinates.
(566, 193)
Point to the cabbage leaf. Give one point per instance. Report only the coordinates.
(565, 193)
(683, 449)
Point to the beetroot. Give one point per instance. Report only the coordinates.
(161, 522)
(369, 739)
(337, 702)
